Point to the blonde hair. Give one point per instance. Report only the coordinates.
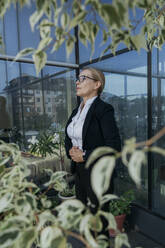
(98, 75)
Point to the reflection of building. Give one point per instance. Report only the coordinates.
(37, 98)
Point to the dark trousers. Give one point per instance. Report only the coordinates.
(84, 192)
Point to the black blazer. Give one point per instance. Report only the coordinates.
(99, 129)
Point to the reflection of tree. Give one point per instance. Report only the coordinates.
(131, 115)
(38, 122)
(61, 114)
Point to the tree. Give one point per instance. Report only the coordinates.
(117, 20)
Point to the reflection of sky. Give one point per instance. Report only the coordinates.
(126, 62)
(29, 69)
(114, 84)
(12, 70)
(85, 52)
(11, 37)
(120, 85)
(27, 37)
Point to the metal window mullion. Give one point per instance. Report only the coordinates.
(149, 122)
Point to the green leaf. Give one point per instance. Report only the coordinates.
(3, 161)
(45, 28)
(54, 4)
(16, 221)
(65, 19)
(51, 237)
(3, 7)
(96, 223)
(8, 237)
(70, 45)
(27, 237)
(22, 206)
(5, 201)
(98, 152)
(56, 176)
(158, 150)
(41, 4)
(23, 2)
(139, 41)
(134, 165)
(77, 19)
(107, 198)
(48, 10)
(34, 18)
(110, 15)
(121, 240)
(44, 217)
(105, 36)
(39, 58)
(110, 218)
(24, 52)
(59, 242)
(69, 213)
(44, 43)
(82, 38)
(101, 175)
(85, 229)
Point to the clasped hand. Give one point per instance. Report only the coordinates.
(76, 154)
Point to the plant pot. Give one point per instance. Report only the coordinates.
(119, 221)
(64, 198)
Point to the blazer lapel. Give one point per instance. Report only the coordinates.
(88, 118)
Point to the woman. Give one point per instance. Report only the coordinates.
(90, 125)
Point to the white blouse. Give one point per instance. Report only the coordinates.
(75, 128)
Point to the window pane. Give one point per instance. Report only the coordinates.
(13, 92)
(158, 122)
(11, 32)
(59, 98)
(31, 96)
(27, 37)
(48, 103)
(85, 51)
(50, 70)
(3, 81)
(126, 90)
(61, 54)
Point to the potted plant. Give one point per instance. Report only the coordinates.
(121, 207)
(67, 193)
(43, 145)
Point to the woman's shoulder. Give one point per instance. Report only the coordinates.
(103, 106)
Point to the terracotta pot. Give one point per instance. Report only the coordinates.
(119, 221)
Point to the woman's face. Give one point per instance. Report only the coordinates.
(87, 86)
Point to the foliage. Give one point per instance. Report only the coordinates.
(121, 205)
(68, 191)
(30, 219)
(44, 144)
(117, 21)
(16, 136)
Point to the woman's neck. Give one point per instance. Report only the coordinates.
(85, 99)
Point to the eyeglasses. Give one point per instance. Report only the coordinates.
(82, 78)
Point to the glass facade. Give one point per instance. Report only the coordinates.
(126, 90)
(41, 102)
(158, 122)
